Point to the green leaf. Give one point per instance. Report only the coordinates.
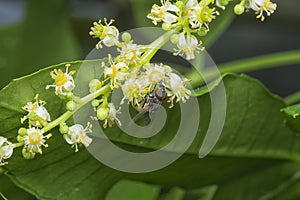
(204, 193)
(173, 194)
(292, 114)
(9, 190)
(269, 183)
(254, 138)
(129, 190)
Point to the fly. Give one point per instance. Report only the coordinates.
(151, 103)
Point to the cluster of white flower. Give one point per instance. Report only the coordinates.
(192, 17)
(259, 6)
(188, 18)
(150, 77)
(33, 137)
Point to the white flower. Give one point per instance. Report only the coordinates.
(108, 35)
(112, 116)
(261, 6)
(201, 15)
(78, 135)
(130, 53)
(176, 88)
(34, 140)
(155, 73)
(38, 111)
(162, 13)
(6, 150)
(63, 82)
(134, 90)
(117, 72)
(188, 45)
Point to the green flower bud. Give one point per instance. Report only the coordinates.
(63, 128)
(33, 116)
(126, 37)
(95, 85)
(22, 131)
(20, 138)
(224, 2)
(174, 38)
(180, 5)
(95, 103)
(166, 26)
(71, 105)
(102, 113)
(239, 9)
(28, 154)
(202, 32)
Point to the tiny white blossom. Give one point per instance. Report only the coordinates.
(134, 90)
(116, 72)
(176, 88)
(201, 15)
(6, 150)
(34, 140)
(188, 45)
(130, 53)
(39, 110)
(112, 116)
(78, 135)
(162, 13)
(155, 73)
(108, 35)
(261, 6)
(63, 81)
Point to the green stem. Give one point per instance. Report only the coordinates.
(156, 45)
(250, 64)
(16, 145)
(293, 98)
(146, 57)
(64, 117)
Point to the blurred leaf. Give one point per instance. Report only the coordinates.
(291, 192)
(269, 183)
(292, 114)
(46, 36)
(204, 193)
(129, 190)
(9, 40)
(219, 25)
(174, 193)
(254, 138)
(42, 39)
(9, 190)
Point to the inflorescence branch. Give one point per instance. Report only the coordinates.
(145, 85)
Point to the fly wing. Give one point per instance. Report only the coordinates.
(141, 116)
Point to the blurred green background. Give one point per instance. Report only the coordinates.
(36, 34)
